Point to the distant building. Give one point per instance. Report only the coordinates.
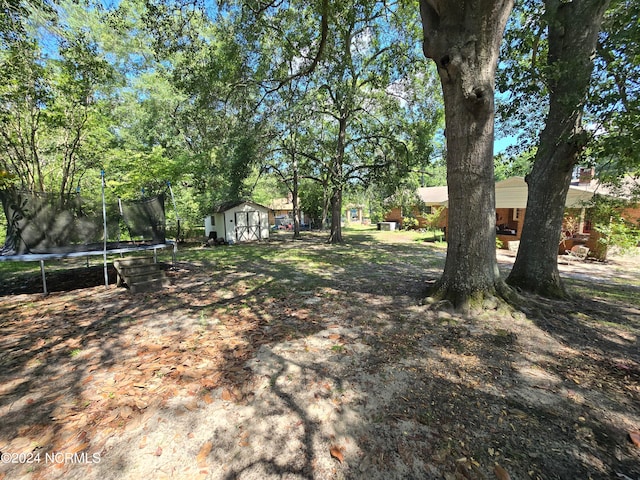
(281, 212)
(354, 213)
(431, 198)
(511, 203)
(238, 221)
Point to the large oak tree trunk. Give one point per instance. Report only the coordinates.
(295, 200)
(463, 38)
(337, 182)
(336, 216)
(573, 33)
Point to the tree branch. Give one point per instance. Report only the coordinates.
(324, 32)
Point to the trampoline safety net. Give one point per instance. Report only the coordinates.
(51, 223)
(146, 218)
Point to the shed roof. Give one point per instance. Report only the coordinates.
(223, 207)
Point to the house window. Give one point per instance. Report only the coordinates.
(213, 220)
(428, 210)
(587, 226)
(516, 213)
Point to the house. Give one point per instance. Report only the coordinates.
(431, 198)
(281, 212)
(354, 213)
(511, 203)
(238, 221)
(579, 225)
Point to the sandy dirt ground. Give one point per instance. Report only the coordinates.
(322, 368)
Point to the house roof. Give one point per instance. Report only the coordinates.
(282, 203)
(433, 195)
(627, 188)
(512, 193)
(223, 207)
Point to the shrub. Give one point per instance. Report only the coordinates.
(410, 223)
(618, 236)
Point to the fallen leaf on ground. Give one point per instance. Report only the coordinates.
(501, 473)
(158, 451)
(191, 406)
(227, 395)
(205, 450)
(77, 447)
(336, 452)
(635, 438)
(209, 383)
(244, 439)
(126, 411)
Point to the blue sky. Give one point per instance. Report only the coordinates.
(501, 144)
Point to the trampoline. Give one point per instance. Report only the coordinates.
(43, 227)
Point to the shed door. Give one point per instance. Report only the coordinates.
(247, 226)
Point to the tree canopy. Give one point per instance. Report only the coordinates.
(213, 97)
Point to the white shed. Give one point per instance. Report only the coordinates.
(239, 221)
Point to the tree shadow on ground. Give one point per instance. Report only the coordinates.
(271, 358)
(77, 365)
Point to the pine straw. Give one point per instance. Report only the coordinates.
(263, 369)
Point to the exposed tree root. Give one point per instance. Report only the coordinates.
(549, 289)
(498, 296)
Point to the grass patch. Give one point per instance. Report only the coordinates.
(614, 290)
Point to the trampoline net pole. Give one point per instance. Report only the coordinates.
(44, 278)
(104, 220)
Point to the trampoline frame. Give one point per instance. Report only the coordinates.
(42, 257)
